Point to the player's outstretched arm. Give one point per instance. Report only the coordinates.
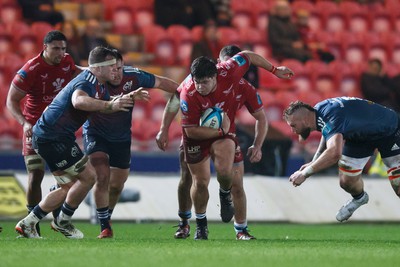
(82, 101)
(282, 72)
(165, 84)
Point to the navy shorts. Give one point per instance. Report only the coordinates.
(388, 146)
(119, 153)
(58, 155)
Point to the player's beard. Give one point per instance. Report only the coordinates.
(305, 134)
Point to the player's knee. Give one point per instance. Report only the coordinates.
(394, 178)
(34, 163)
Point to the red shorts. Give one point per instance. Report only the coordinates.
(197, 150)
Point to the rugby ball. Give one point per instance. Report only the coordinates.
(212, 118)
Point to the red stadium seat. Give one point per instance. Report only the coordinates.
(332, 19)
(40, 29)
(122, 20)
(356, 16)
(228, 35)
(183, 42)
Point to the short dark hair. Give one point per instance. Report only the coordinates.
(203, 67)
(295, 106)
(118, 55)
(99, 54)
(54, 36)
(230, 50)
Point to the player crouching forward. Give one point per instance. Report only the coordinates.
(352, 128)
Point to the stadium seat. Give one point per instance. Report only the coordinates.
(324, 80)
(10, 13)
(28, 46)
(6, 42)
(12, 61)
(377, 46)
(197, 33)
(151, 34)
(242, 19)
(183, 43)
(122, 20)
(40, 29)
(356, 16)
(354, 47)
(302, 80)
(143, 18)
(261, 14)
(381, 19)
(228, 35)
(332, 19)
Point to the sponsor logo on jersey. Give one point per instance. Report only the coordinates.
(204, 106)
(259, 99)
(61, 163)
(193, 149)
(74, 151)
(127, 86)
(44, 77)
(58, 84)
(22, 74)
(184, 106)
(223, 73)
(395, 147)
(239, 59)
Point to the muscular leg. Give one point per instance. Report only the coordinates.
(238, 194)
(353, 185)
(185, 183)
(117, 181)
(99, 161)
(201, 178)
(34, 190)
(223, 152)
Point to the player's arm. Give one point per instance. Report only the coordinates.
(13, 101)
(203, 133)
(165, 84)
(259, 61)
(254, 152)
(321, 148)
(170, 111)
(329, 157)
(82, 101)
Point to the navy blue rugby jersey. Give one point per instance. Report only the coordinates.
(116, 127)
(358, 120)
(61, 120)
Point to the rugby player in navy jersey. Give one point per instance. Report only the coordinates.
(352, 128)
(107, 140)
(53, 139)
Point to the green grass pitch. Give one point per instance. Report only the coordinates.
(152, 244)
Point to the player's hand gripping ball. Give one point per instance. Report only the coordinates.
(212, 118)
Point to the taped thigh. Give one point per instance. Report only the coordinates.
(63, 179)
(78, 167)
(393, 170)
(34, 162)
(352, 166)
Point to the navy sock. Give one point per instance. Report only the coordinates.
(67, 209)
(102, 214)
(39, 212)
(359, 195)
